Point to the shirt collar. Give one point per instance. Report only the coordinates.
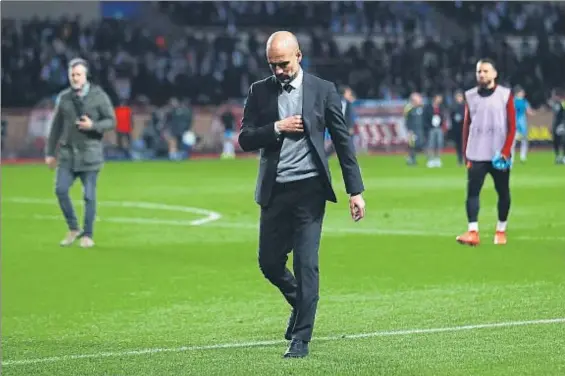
(297, 82)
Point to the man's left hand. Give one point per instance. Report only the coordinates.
(357, 207)
(84, 123)
(501, 162)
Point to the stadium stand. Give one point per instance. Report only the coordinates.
(207, 53)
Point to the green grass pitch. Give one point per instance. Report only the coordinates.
(172, 290)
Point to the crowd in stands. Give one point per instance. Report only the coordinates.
(389, 18)
(508, 17)
(131, 63)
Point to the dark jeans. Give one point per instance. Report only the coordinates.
(558, 142)
(458, 140)
(64, 181)
(124, 142)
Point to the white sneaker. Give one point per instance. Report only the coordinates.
(86, 242)
(70, 238)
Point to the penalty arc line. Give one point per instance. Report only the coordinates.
(235, 345)
(207, 215)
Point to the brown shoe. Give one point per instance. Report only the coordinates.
(86, 242)
(70, 238)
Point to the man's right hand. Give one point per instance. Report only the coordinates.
(51, 162)
(292, 124)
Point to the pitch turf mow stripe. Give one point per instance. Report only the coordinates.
(211, 218)
(405, 332)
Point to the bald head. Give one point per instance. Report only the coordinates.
(283, 55)
(282, 41)
(416, 99)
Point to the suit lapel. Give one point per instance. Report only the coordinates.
(308, 99)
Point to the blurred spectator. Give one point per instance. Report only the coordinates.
(4, 129)
(178, 121)
(435, 127)
(228, 122)
(457, 115)
(153, 143)
(227, 53)
(124, 127)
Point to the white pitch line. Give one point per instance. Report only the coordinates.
(405, 332)
(327, 230)
(211, 219)
(250, 226)
(208, 215)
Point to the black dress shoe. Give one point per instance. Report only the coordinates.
(290, 325)
(297, 349)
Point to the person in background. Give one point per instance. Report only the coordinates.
(414, 118)
(179, 121)
(435, 123)
(489, 132)
(557, 103)
(228, 122)
(457, 114)
(82, 114)
(124, 127)
(347, 99)
(152, 142)
(3, 135)
(523, 109)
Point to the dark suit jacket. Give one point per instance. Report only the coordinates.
(321, 109)
(349, 120)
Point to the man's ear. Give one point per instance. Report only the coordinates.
(299, 56)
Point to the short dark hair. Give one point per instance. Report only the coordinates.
(342, 89)
(518, 89)
(487, 60)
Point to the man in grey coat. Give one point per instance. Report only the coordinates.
(82, 114)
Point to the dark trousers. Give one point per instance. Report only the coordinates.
(558, 142)
(458, 141)
(476, 174)
(415, 143)
(124, 142)
(63, 183)
(293, 222)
